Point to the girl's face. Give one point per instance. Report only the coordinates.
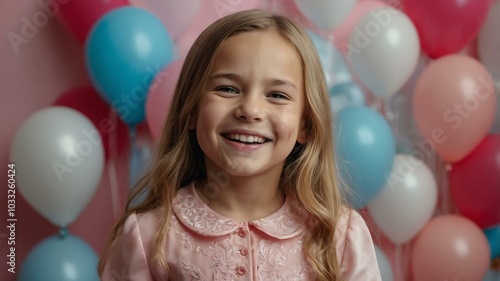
(251, 111)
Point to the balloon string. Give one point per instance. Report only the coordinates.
(112, 175)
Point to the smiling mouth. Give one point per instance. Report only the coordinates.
(245, 139)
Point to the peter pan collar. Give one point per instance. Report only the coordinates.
(192, 212)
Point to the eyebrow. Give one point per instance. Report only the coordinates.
(235, 77)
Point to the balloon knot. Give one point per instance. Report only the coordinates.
(63, 232)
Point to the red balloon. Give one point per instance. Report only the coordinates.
(475, 183)
(79, 16)
(446, 26)
(87, 101)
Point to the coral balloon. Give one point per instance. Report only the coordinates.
(79, 16)
(446, 26)
(450, 247)
(88, 102)
(454, 105)
(160, 96)
(475, 183)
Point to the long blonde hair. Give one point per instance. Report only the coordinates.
(309, 173)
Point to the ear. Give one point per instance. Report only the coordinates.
(193, 119)
(302, 135)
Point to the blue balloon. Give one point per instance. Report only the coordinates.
(59, 258)
(332, 60)
(493, 235)
(124, 52)
(365, 151)
(346, 94)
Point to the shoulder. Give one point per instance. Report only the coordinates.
(355, 248)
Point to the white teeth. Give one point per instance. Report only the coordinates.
(248, 139)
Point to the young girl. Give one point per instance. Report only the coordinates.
(244, 185)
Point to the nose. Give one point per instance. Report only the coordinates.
(251, 108)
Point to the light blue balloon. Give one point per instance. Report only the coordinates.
(365, 151)
(60, 258)
(492, 276)
(493, 235)
(344, 95)
(124, 52)
(332, 60)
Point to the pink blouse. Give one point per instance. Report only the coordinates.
(203, 245)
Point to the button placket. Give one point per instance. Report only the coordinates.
(242, 243)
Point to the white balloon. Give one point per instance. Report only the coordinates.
(384, 265)
(59, 162)
(383, 50)
(326, 14)
(489, 42)
(407, 201)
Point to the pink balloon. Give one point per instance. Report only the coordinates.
(209, 12)
(454, 105)
(160, 96)
(176, 15)
(450, 247)
(341, 34)
(79, 16)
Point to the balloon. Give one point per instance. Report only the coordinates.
(454, 105)
(124, 52)
(209, 12)
(160, 96)
(475, 183)
(86, 100)
(384, 50)
(332, 60)
(366, 150)
(492, 276)
(450, 247)
(176, 15)
(446, 26)
(60, 259)
(407, 201)
(488, 42)
(326, 14)
(384, 265)
(344, 95)
(59, 155)
(79, 16)
(342, 32)
(493, 235)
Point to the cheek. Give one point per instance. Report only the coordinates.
(286, 123)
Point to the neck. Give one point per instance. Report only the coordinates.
(241, 198)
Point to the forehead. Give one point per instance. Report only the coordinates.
(266, 51)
